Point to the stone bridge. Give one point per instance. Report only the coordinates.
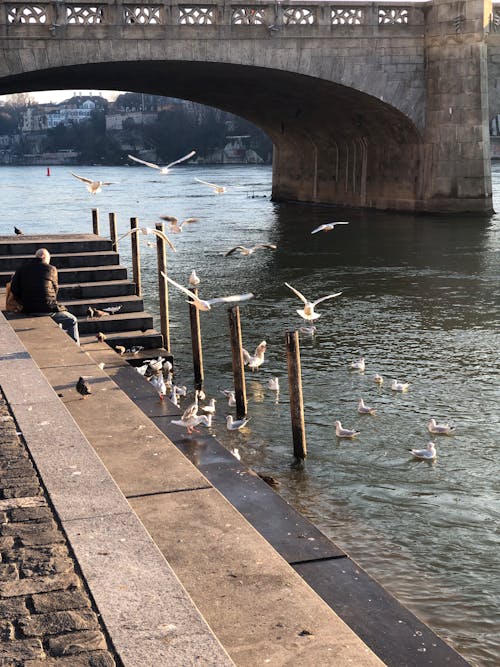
(368, 104)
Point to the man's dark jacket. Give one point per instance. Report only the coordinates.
(35, 285)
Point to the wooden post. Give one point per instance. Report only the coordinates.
(161, 253)
(112, 232)
(295, 391)
(136, 256)
(95, 221)
(238, 366)
(194, 316)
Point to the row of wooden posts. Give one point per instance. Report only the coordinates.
(291, 337)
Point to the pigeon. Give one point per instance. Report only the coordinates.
(218, 189)
(308, 312)
(95, 312)
(364, 409)
(257, 359)
(249, 251)
(399, 386)
(378, 379)
(162, 170)
(231, 398)
(135, 349)
(193, 279)
(92, 186)
(101, 337)
(112, 309)
(358, 365)
(236, 424)
(83, 387)
(18, 231)
(206, 304)
(328, 227)
(429, 453)
(345, 432)
(442, 429)
(274, 384)
(175, 225)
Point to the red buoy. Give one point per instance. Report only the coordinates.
(48, 171)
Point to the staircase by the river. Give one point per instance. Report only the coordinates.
(90, 274)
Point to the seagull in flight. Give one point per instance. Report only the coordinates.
(249, 251)
(218, 189)
(92, 186)
(328, 227)
(206, 304)
(162, 170)
(429, 453)
(341, 432)
(175, 226)
(149, 230)
(442, 429)
(308, 312)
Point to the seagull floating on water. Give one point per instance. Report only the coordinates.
(308, 312)
(243, 250)
(429, 453)
(364, 409)
(378, 379)
(210, 408)
(193, 279)
(175, 225)
(92, 186)
(218, 189)
(274, 384)
(236, 424)
(257, 359)
(328, 227)
(358, 365)
(206, 304)
(399, 386)
(162, 170)
(341, 432)
(442, 429)
(231, 398)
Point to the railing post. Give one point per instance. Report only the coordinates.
(194, 317)
(136, 257)
(112, 232)
(295, 392)
(95, 221)
(161, 253)
(237, 358)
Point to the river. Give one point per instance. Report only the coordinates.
(420, 301)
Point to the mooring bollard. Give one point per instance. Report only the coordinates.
(161, 254)
(194, 317)
(238, 366)
(113, 235)
(136, 256)
(295, 391)
(95, 221)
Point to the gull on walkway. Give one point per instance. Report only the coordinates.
(364, 409)
(358, 365)
(206, 304)
(92, 186)
(441, 429)
(244, 251)
(429, 453)
(158, 382)
(399, 386)
(236, 424)
(218, 189)
(175, 225)
(192, 422)
(328, 227)
(147, 231)
(257, 359)
(341, 432)
(308, 311)
(162, 170)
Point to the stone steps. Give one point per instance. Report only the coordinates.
(65, 261)
(57, 244)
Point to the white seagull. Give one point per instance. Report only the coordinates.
(193, 279)
(308, 312)
(210, 408)
(112, 309)
(162, 170)
(378, 379)
(236, 424)
(218, 189)
(92, 186)
(328, 227)
(399, 386)
(243, 250)
(345, 432)
(274, 384)
(358, 365)
(206, 304)
(149, 230)
(428, 453)
(158, 382)
(442, 429)
(257, 359)
(231, 398)
(175, 225)
(190, 423)
(364, 409)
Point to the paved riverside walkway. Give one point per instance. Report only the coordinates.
(258, 608)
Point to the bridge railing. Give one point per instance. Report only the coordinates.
(273, 16)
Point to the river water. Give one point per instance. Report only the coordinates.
(419, 301)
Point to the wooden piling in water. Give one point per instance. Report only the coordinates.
(194, 316)
(161, 254)
(136, 256)
(113, 235)
(238, 365)
(295, 391)
(95, 221)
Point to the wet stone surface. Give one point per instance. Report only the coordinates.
(46, 614)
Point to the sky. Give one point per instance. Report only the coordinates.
(46, 96)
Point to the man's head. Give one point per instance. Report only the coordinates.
(43, 254)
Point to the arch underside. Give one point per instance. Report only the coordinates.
(333, 144)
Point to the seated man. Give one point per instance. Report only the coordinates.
(35, 285)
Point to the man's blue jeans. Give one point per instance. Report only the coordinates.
(68, 322)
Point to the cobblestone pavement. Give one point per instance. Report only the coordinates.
(46, 615)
